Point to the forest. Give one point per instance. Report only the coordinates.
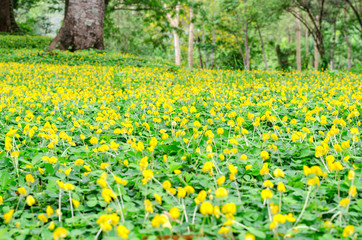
(211, 34)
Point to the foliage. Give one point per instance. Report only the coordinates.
(106, 151)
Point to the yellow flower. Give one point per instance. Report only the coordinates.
(67, 172)
(352, 191)
(229, 208)
(220, 180)
(348, 230)
(217, 211)
(351, 174)
(68, 187)
(181, 193)
(206, 208)
(43, 218)
(108, 195)
(104, 165)
(148, 206)
(49, 211)
(281, 187)
(264, 170)
(221, 192)
(29, 178)
(158, 198)
(79, 162)
(278, 173)
(7, 216)
(75, 203)
(344, 202)
(174, 213)
(313, 181)
(51, 226)
(30, 200)
(264, 155)
(1, 200)
(268, 183)
(266, 194)
(249, 236)
(22, 191)
(59, 233)
(200, 197)
(247, 167)
(177, 172)
(166, 185)
(93, 140)
(123, 231)
(243, 157)
(223, 230)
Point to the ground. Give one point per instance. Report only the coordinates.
(111, 145)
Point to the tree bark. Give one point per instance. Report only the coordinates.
(214, 47)
(82, 27)
(316, 56)
(298, 50)
(191, 40)
(7, 18)
(307, 47)
(199, 50)
(349, 54)
(174, 22)
(262, 49)
(333, 43)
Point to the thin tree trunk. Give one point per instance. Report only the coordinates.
(349, 54)
(333, 44)
(298, 50)
(307, 47)
(191, 39)
(214, 47)
(262, 49)
(199, 50)
(82, 27)
(174, 22)
(247, 49)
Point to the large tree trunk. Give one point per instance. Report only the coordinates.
(82, 27)
(298, 50)
(191, 40)
(263, 49)
(7, 19)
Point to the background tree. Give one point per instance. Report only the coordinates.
(7, 18)
(82, 27)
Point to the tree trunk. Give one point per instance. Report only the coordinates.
(333, 44)
(262, 49)
(298, 50)
(307, 47)
(199, 50)
(316, 56)
(247, 48)
(174, 22)
(82, 27)
(191, 39)
(214, 47)
(349, 55)
(7, 19)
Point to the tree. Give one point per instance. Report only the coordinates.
(358, 14)
(317, 11)
(191, 39)
(82, 27)
(299, 59)
(7, 18)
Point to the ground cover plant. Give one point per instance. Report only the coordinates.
(146, 150)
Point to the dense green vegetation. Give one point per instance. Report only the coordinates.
(98, 144)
